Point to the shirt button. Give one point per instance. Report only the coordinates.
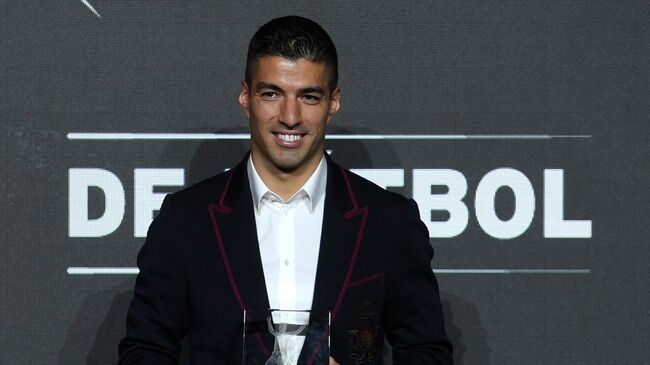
(286, 262)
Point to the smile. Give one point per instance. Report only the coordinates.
(289, 137)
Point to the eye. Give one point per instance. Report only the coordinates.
(311, 99)
(270, 95)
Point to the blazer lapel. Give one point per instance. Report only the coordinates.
(342, 233)
(343, 229)
(233, 222)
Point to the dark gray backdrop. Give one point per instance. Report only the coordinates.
(574, 70)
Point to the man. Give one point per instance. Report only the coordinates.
(287, 228)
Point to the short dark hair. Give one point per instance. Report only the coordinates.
(293, 37)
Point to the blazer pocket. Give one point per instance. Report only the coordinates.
(374, 282)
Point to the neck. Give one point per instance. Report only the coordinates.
(285, 183)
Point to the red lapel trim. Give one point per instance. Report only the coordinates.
(355, 211)
(379, 275)
(222, 208)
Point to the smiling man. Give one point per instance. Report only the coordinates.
(288, 103)
(287, 229)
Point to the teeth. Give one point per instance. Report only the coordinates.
(289, 137)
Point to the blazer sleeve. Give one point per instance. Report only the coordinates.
(157, 317)
(413, 314)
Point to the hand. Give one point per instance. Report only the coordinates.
(333, 362)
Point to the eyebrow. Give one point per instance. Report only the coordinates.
(265, 85)
(315, 89)
(306, 90)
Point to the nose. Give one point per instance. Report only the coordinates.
(290, 112)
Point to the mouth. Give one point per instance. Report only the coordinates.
(288, 139)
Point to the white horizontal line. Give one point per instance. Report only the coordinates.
(512, 271)
(239, 136)
(135, 270)
(103, 270)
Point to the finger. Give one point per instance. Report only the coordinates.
(333, 362)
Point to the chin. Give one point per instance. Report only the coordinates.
(289, 160)
(288, 166)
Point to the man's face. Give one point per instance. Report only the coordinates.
(288, 105)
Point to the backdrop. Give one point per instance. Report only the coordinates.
(520, 127)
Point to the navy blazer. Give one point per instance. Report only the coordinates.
(200, 268)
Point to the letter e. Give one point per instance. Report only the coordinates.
(145, 200)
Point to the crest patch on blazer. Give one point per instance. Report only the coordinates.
(363, 339)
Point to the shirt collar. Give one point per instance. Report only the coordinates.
(313, 189)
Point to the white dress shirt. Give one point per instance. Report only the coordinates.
(289, 240)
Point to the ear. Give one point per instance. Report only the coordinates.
(335, 104)
(244, 99)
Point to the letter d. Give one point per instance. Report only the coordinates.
(79, 180)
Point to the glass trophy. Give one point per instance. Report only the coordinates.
(286, 337)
